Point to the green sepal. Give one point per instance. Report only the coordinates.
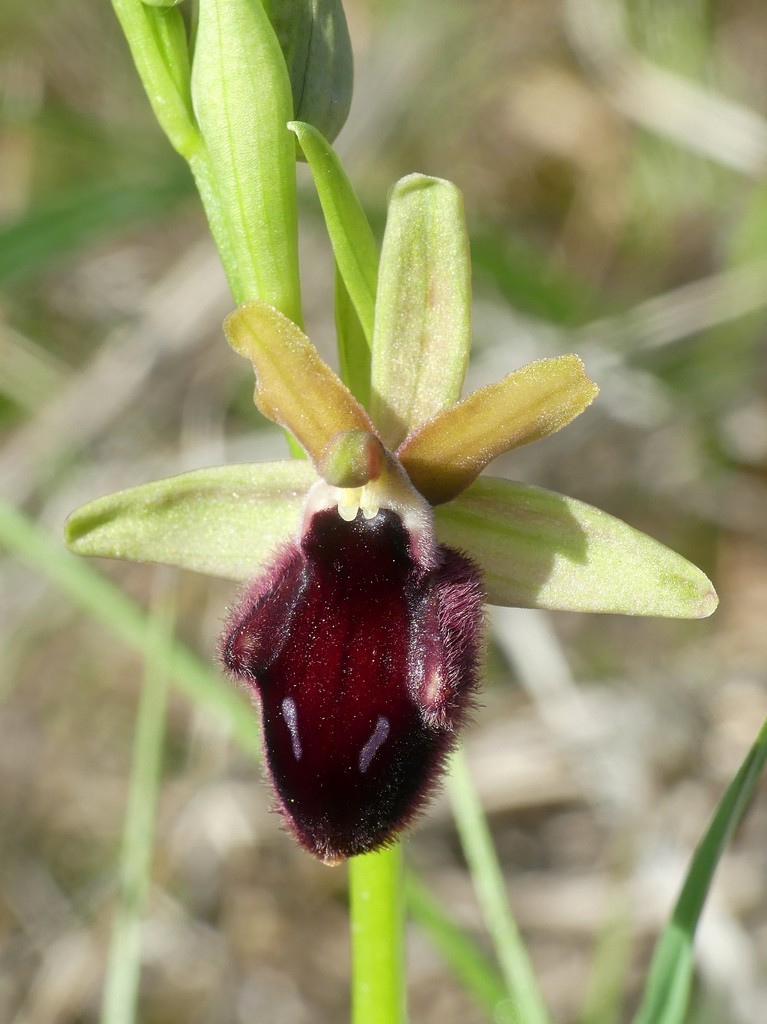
(158, 44)
(295, 388)
(314, 39)
(452, 449)
(538, 549)
(242, 100)
(226, 521)
(354, 244)
(422, 328)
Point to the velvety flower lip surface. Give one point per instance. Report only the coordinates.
(360, 643)
(364, 663)
(359, 634)
(361, 640)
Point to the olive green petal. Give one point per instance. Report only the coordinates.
(452, 449)
(422, 331)
(294, 387)
(538, 549)
(225, 521)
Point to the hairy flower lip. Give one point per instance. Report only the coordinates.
(438, 598)
(412, 611)
(363, 660)
(382, 765)
(360, 642)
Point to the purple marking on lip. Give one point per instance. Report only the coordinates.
(375, 657)
(290, 715)
(370, 749)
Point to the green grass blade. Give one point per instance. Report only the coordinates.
(609, 965)
(667, 991)
(527, 1003)
(109, 606)
(468, 964)
(124, 964)
(377, 917)
(71, 219)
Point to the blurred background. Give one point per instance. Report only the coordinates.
(613, 158)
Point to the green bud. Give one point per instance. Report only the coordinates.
(242, 100)
(315, 42)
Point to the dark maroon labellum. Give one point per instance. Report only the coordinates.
(364, 664)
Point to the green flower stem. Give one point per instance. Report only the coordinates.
(235, 138)
(377, 916)
(490, 889)
(157, 41)
(167, 85)
(353, 350)
(124, 966)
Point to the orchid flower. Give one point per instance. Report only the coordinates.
(359, 630)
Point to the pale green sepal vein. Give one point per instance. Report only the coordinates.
(422, 330)
(227, 521)
(242, 100)
(538, 549)
(667, 991)
(354, 244)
